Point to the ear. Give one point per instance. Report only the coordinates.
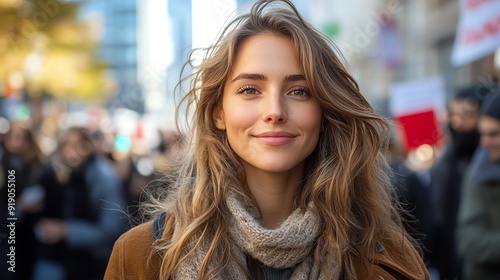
(218, 117)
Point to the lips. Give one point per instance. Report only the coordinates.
(275, 138)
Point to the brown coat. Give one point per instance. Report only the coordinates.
(131, 260)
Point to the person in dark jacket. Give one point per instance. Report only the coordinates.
(412, 192)
(20, 169)
(446, 178)
(479, 216)
(83, 212)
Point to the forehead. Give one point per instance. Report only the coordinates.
(487, 124)
(463, 105)
(73, 137)
(266, 52)
(17, 130)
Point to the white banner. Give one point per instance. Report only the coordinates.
(478, 32)
(406, 98)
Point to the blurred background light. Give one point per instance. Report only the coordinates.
(22, 113)
(424, 152)
(122, 143)
(208, 19)
(145, 166)
(4, 125)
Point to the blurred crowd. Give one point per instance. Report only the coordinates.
(453, 205)
(74, 202)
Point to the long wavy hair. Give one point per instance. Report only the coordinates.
(32, 155)
(345, 177)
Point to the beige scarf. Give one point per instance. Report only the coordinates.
(291, 244)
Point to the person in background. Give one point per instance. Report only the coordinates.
(125, 168)
(412, 192)
(20, 154)
(446, 179)
(103, 144)
(83, 213)
(478, 230)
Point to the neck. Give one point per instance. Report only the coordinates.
(274, 192)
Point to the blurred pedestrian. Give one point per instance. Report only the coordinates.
(20, 157)
(125, 168)
(412, 192)
(446, 178)
(133, 183)
(83, 214)
(283, 177)
(479, 215)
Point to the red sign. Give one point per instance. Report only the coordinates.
(418, 129)
(414, 105)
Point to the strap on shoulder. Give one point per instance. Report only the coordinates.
(159, 226)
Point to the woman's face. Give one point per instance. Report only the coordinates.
(75, 150)
(17, 140)
(271, 119)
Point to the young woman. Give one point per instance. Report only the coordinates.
(20, 159)
(79, 222)
(283, 178)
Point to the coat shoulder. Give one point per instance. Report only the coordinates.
(394, 259)
(134, 255)
(398, 258)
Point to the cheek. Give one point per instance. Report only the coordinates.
(311, 119)
(470, 122)
(239, 116)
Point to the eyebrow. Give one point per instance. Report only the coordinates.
(248, 76)
(259, 77)
(294, 78)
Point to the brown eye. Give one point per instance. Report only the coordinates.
(299, 92)
(249, 91)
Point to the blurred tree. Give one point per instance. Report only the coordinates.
(54, 51)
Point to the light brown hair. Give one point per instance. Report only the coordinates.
(345, 177)
(32, 155)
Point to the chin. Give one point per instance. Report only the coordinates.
(277, 167)
(276, 170)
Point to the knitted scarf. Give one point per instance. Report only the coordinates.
(290, 245)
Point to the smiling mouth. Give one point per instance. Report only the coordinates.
(275, 138)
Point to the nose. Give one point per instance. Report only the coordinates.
(455, 121)
(275, 109)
